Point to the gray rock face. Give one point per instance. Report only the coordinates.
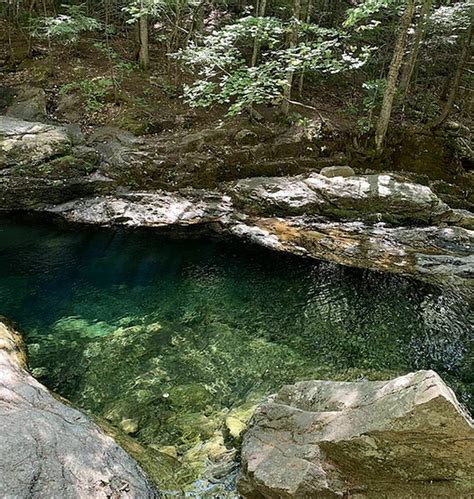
(118, 148)
(407, 437)
(24, 144)
(432, 252)
(48, 449)
(28, 103)
(341, 219)
(42, 164)
(370, 197)
(158, 209)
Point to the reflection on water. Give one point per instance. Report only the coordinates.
(175, 340)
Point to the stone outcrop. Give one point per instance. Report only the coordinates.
(23, 102)
(407, 437)
(432, 252)
(159, 209)
(41, 164)
(369, 197)
(28, 144)
(368, 221)
(48, 449)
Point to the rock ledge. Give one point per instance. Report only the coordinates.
(407, 437)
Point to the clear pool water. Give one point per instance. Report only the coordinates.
(165, 337)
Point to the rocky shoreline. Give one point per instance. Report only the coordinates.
(406, 436)
(51, 449)
(375, 221)
(367, 221)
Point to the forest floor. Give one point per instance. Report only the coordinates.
(148, 104)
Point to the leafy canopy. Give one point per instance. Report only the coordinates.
(224, 76)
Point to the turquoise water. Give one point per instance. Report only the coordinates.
(166, 338)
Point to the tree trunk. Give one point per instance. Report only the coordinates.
(392, 78)
(261, 8)
(293, 40)
(143, 56)
(415, 50)
(196, 22)
(309, 9)
(456, 81)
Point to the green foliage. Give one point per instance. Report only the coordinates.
(95, 91)
(367, 9)
(374, 90)
(225, 77)
(447, 23)
(65, 28)
(122, 67)
(371, 102)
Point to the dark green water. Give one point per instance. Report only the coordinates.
(164, 336)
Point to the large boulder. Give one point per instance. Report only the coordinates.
(435, 253)
(45, 164)
(407, 437)
(23, 102)
(369, 197)
(23, 143)
(142, 209)
(48, 449)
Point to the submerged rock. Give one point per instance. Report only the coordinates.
(49, 449)
(407, 437)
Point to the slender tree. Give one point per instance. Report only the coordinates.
(293, 40)
(393, 74)
(407, 72)
(456, 81)
(143, 55)
(309, 9)
(261, 8)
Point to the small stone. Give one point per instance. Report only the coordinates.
(235, 426)
(129, 426)
(39, 372)
(169, 450)
(153, 328)
(337, 171)
(246, 137)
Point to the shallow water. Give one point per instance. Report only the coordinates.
(166, 337)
